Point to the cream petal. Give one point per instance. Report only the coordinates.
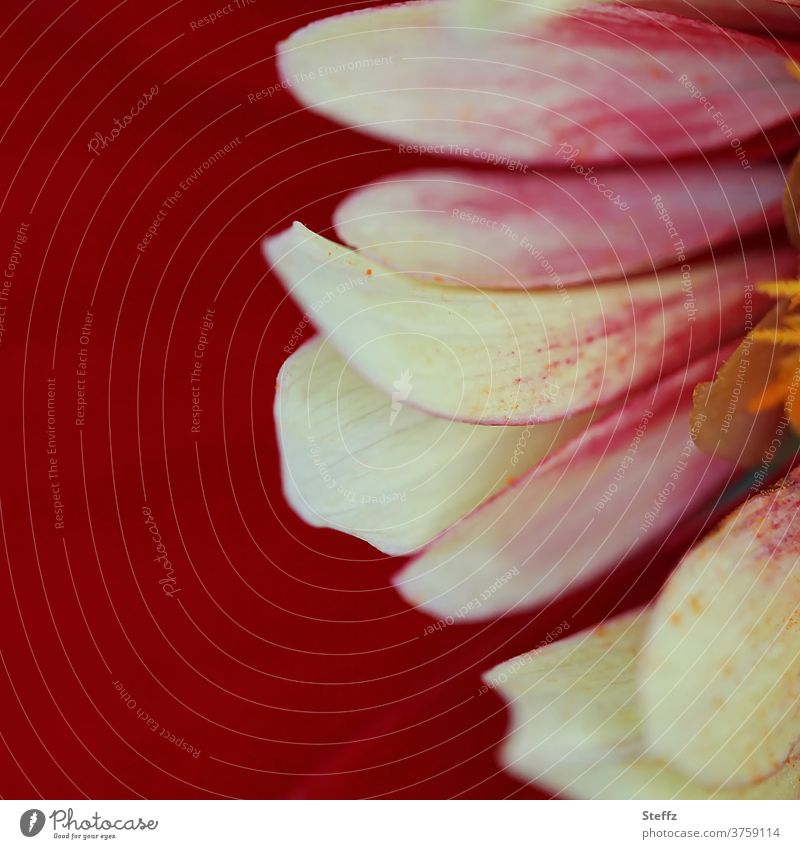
(624, 484)
(615, 82)
(556, 229)
(720, 675)
(576, 727)
(363, 462)
(723, 422)
(500, 356)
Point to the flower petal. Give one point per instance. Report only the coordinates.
(791, 202)
(721, 671)
(772, 17)
(622, 485)
(577, 729)
(497, 357)
(723, 423)
(363, 462)
(615, 82)
(553, 230)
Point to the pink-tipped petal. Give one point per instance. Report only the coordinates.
(556, 229)
(773, 18)
(624, 484)
(615, 82)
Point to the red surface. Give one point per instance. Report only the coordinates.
(283, 655)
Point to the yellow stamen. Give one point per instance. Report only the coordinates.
(779, 288)
(793, 68)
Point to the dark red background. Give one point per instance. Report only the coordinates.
(286, 657)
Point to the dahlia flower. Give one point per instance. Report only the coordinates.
(503, 377)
